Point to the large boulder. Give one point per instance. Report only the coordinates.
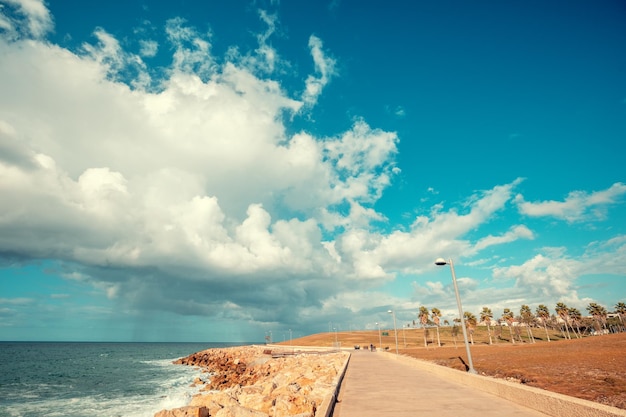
(239, 411)
(188, 411)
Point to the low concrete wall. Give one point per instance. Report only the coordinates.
(304, 349)
(553, 404)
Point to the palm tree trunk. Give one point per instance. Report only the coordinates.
(489, 333)
(546, 329)
(530, 338)
(567, 331)
(511, 332)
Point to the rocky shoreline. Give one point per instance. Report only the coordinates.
(255, 381)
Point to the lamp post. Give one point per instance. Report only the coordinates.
(395, 329)
(441, 262)
(380, 340)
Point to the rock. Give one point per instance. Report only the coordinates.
(238, 411)
(256, 401)
(288, 405)
(268, 388)
(188, 411)
(222, 398)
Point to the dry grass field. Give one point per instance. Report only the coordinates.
(592, 367)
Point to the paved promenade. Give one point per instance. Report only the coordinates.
(376, 385)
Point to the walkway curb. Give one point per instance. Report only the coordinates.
(328, 405)
(553, 404)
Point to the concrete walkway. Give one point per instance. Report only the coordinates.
(376, 385)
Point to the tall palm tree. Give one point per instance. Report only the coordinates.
(485, 316)
(544, 314)
(455, 329)
(528, 318)
(575, 317)
(599, 313)
(620, 309)
(470, 324)
(436, 316)
(507, 315)
(423, 316)
(563, 312)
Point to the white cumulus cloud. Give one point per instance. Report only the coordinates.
(577, 206)
(325, 70)
(28, 18)
(191, 178)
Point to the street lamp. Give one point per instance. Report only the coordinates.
(395, 329)
(441, 262)
(380, 340)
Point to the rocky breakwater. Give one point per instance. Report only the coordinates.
(252, 381)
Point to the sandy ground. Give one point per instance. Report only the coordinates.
(592, 368)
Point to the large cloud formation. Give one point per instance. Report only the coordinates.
(139, 182)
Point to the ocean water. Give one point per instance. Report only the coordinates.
(95, 379)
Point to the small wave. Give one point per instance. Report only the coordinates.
(98, 406)
(160, 362)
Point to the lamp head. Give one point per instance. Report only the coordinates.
(389, 311)
(440, 261)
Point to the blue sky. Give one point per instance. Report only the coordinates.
(216, 171)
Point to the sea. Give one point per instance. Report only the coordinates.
(85, 379)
